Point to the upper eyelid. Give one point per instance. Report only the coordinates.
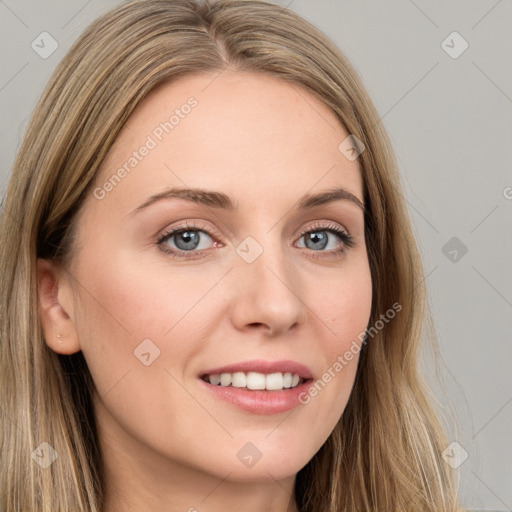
(190, 225)
(319, 224)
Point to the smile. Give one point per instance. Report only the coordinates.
(255, 380)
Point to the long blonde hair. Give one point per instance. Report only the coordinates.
(385, 452)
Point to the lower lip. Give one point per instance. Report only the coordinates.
(260, 401)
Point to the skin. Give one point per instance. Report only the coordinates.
(168, 445)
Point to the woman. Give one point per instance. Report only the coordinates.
(211, 297)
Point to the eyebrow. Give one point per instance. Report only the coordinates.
(222, 201)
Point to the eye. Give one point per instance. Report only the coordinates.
(187, 238)
(326, 238)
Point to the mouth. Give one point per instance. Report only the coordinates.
(259, 387)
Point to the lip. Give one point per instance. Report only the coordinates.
(262, 366)
(260, 402)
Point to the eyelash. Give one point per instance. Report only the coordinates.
(346, 239)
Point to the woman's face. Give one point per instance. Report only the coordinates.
(257, 283)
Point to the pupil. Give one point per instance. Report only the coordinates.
(319, 238)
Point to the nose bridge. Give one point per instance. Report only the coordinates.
(268, 292)
(268, 261)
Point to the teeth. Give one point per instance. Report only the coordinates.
(225, 379)
(274, 381)
(255, 380)
(215, 379)
(239, 380)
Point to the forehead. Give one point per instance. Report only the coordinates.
(247, 134)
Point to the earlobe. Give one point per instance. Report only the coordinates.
(58, 326)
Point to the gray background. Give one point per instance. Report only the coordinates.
(450, 123)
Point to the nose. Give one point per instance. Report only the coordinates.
(268, 295)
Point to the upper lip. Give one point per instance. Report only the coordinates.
(262, 366)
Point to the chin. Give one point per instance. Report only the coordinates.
(261, 461)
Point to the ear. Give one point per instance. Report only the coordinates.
(54, 297)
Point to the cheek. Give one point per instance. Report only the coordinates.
(126, 302)
(345, 307)
(140, 326)
(341, 311)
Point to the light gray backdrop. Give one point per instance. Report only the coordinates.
(440, 75)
